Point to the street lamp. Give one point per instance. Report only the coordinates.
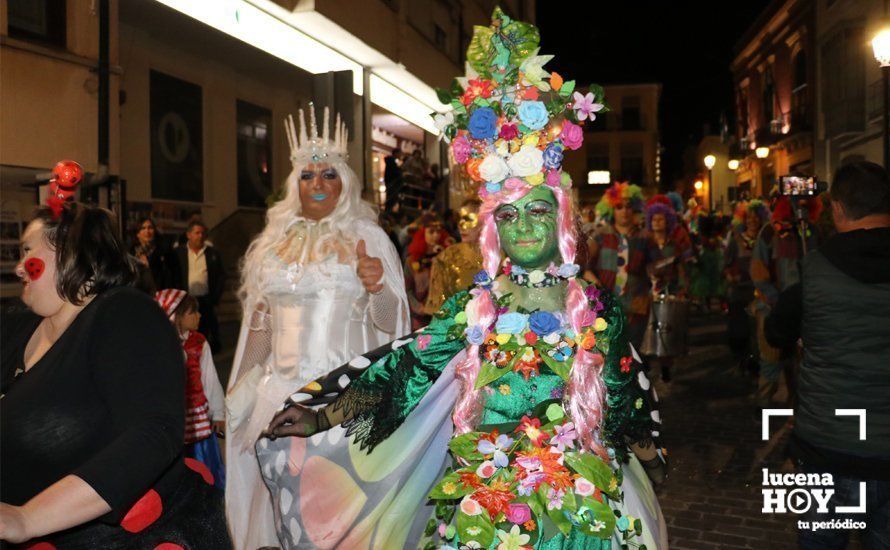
(881, 46)
(698, 185)
(710, 161)
(762, 152)
(733, 164)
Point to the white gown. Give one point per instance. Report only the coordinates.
(320, 318)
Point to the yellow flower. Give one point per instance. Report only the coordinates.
(528, 354)
(449, 488)
(612, 484)
(531, 139)
(600, 324)
(502, 338)
(504, 389)
(535, 179)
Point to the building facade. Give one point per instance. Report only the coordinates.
(849, 97)
(773, 74)
(623, 142)
(198, 91)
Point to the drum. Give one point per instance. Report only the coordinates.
(666, 332)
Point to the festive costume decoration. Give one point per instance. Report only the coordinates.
(616, 194)
(169, 299)
(308, 146)
(534, 458)
(664, 209)
(66, 176)
(35, 268)
(743, 209)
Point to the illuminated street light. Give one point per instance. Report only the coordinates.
(733, 164)
(881, 46)
(710, 161)
(599, 177)
(698, 185)
(762, 152)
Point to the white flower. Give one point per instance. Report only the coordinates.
(552, 338)
(536, 276)
(503, 147)
(532, 70)
(512, 540)
(470, 507)
(528, 161)
(441, 121)
(493, 169)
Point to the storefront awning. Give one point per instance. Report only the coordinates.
(314, 43)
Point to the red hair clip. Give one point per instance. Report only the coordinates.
(67, 175)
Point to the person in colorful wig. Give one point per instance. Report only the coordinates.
(519, 416)
(320, 284)
(748, 219)
(775, 265)
(617, 255)
(667, 254)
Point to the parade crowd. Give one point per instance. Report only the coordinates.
(478, 379)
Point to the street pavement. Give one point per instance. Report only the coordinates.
(712, 430)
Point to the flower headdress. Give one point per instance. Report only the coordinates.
(310, 147)
(66, 176)
(615, 195)
(511, 120)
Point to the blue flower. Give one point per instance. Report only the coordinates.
(511, 323)
(623, 523)
(533, 114)
(482, 278)
(568, 270)
(493, 188)
(483, 123)
(543, 323)
(518, 270)
(475, 336)
(553, 156)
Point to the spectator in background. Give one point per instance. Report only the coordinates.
(775, 264)
(392, 178)
(839, 309)
(203, 276)
(182, 240)
(157, 266)
(454, 268)
(427, 241)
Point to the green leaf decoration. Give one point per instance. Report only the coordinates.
(430, 528)
(638, 526)
(596, 510)
(477, 52)
(456, 89)
(521, 38)
(567, 88)
(489, 372)
(478, 528)
(481, 102)
(594, 470)
(597, 91)
(555, 412)
(450, 488)
(444, 96)
(464, 446)
(562, 369)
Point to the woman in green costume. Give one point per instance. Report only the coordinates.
(519, 417)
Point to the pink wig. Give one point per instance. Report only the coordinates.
(585, 393)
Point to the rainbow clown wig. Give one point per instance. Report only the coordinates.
(616, 194)
(508, 128)
(754, 207)
(661, 204)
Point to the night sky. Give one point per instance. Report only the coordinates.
(687, 49)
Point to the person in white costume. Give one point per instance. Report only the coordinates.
(321, 284)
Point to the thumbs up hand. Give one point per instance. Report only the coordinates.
(369, 270)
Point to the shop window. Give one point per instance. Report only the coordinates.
(177, 144)
(799, 107)
(630, 113)
(768, 99)
(254, 154)
(37, 20)
(598, 156)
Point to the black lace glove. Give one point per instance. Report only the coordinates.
(298, 421)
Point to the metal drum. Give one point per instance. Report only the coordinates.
(666, 332)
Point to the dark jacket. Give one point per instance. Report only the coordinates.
(841, 310)
(162, 271)
(216, 274)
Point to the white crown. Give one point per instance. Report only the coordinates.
(314, 148)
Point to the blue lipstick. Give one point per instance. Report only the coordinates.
(319, 196)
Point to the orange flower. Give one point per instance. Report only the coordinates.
(555, 474)
(555, 81)
(530, 525)
(473, 169)
(494, 501)
(470, 479)
(588, 342)
(530, 93)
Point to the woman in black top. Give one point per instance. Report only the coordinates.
(157, 267)
(92, 412)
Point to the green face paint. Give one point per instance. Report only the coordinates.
(527, 229)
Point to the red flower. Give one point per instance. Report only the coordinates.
(494, 500)
(530, 93)
(477, 88)
(532, 428)
(531, 338)
(470, 479)
(508, 132)
(625, 363)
